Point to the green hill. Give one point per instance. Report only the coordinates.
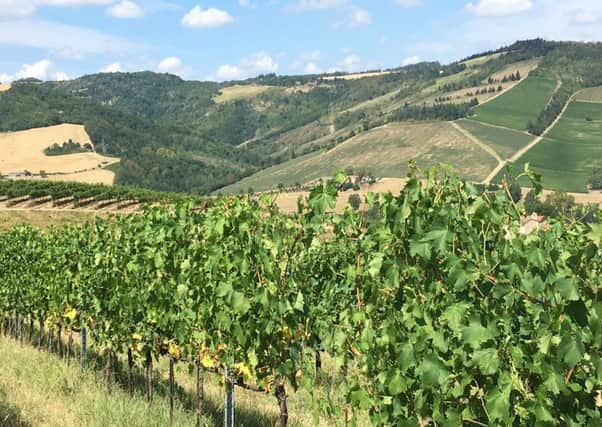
(200, 137)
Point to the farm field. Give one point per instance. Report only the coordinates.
(568, 153)
(43, 219)
(356, 76)
(385, 151)
(514, 109)
(593, 94)
(231, 93)
(24, 150)
(505, 142)
(481, 60)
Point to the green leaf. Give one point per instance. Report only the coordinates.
(299, 302)
(475, 334)
(396, 384)
(572, 350)
(224, 289)
(432, 371)
(486, 360)
(240, 304)
(498, 404)
(567, 288)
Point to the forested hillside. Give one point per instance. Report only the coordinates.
(198, 137)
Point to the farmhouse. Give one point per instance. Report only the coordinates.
(532, 223)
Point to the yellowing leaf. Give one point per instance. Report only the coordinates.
(70, 313)
(599, 399)
(207, 362)
(174, 350)
(243, 370)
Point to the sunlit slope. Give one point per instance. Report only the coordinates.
(569, 152)
(383, 151)
(519, 106)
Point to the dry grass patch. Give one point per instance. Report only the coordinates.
(24, 150)
(356, 76)
(593, 94)
(231, 93)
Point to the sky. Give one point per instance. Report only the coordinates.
(234, 39)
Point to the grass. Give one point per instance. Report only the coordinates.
(385, 151)
(570, 151)
(231, 93)
(37, 387)
(505, 142)
(42, 219)
(593, 94)
(515, 108)
(481, 60)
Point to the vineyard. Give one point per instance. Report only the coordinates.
(77, 195)
(435, 310)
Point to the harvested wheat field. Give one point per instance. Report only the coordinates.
(4, 87)
(232, 93)
(357, 75)
(24, 151)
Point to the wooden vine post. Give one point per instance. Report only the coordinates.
(149, 377)
(171, 388)
(83, 347)
(130, 368)
(282, 406)
(199, 390)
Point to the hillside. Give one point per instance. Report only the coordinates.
(201, 137)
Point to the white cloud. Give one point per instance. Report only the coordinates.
(410, 61)
(312, 68)
(5, 78)
(115, 67)
(359, 17)
(210, 18)
(498, 7)
(37, 70)
(171, 65)
(409, 3)
(228, 72)
(305, 5)
(60, 76)
(24, 8)
(351, 63)
(126, 9)
(64, 40)
(250, 66)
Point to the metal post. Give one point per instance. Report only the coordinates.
(84, 343)
(229, 400)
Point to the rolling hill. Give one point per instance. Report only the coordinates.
(204, 137)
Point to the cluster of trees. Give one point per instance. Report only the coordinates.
(595, 181)
(68, 147)
(552, 110)
(561, 204)
(514, 77)
(434, 112)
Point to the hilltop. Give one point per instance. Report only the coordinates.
(478, 114)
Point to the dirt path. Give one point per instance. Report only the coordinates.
(477, 141)
(536, 141)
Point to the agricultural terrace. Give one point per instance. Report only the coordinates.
(570, 151)
(519, 106)
(232, 93)
(24, 151)
(593, 94)
(385, 151)
(504, 141)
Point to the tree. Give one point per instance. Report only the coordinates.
(596, 179)
(355, 201)
(280, 187)
(516, 192)
(532, 203)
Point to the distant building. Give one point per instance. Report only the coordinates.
(529, 224)
(23, 174)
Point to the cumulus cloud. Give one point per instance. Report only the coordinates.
(209, 18)
(359, 17)
(172, 65)
(60, 76)
(126, 9)
(250, 66)
(115, 67)
(312, 68)
(37, 70)
(410, 61)
(498, 7)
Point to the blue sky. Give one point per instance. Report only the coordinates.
(230, 39)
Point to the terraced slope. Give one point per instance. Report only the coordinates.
(504, 141)
(516, 108)
(385, 151)
(570, 151)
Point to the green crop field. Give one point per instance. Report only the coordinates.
(385, 151)
(570, 151)
(517, 107)
(505, 142)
